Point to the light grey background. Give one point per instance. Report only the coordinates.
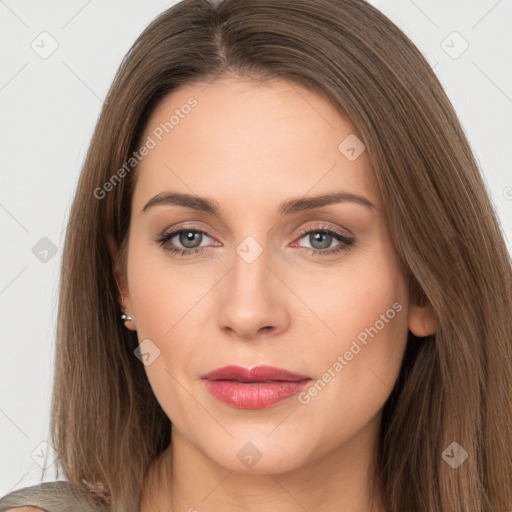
(48, 110)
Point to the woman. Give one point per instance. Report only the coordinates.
(284, 285)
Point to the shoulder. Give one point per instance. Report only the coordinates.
(48, 497)
(24, 509)
(35, 498)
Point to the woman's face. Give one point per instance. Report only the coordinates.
(256, 294)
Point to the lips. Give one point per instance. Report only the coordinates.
(254, 374)
(253, 388)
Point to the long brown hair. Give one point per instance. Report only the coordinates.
(454, 386)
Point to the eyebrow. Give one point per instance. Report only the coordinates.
(288, 207)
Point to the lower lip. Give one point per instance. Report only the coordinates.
(253, 395)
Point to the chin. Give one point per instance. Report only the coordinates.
(259, 454)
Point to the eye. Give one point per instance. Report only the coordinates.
(321, 237)
(189, 238)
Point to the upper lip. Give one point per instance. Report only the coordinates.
(260, 373)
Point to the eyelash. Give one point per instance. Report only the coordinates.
(345, 245)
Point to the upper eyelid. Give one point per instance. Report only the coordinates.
(301, 233)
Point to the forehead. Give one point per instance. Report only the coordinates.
(236, 139)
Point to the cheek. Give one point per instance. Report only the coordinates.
(358, 368)
(168, 303)
(160, 293)
(158, 306)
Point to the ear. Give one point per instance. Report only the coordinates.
(421, 318)
(122, 283)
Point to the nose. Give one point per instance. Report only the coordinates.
(253, 300)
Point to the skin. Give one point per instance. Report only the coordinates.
(250, 146)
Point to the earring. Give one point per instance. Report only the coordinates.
(124, 316)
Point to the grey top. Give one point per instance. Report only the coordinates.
(51, 497)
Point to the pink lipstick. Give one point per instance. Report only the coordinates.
(253, 388)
